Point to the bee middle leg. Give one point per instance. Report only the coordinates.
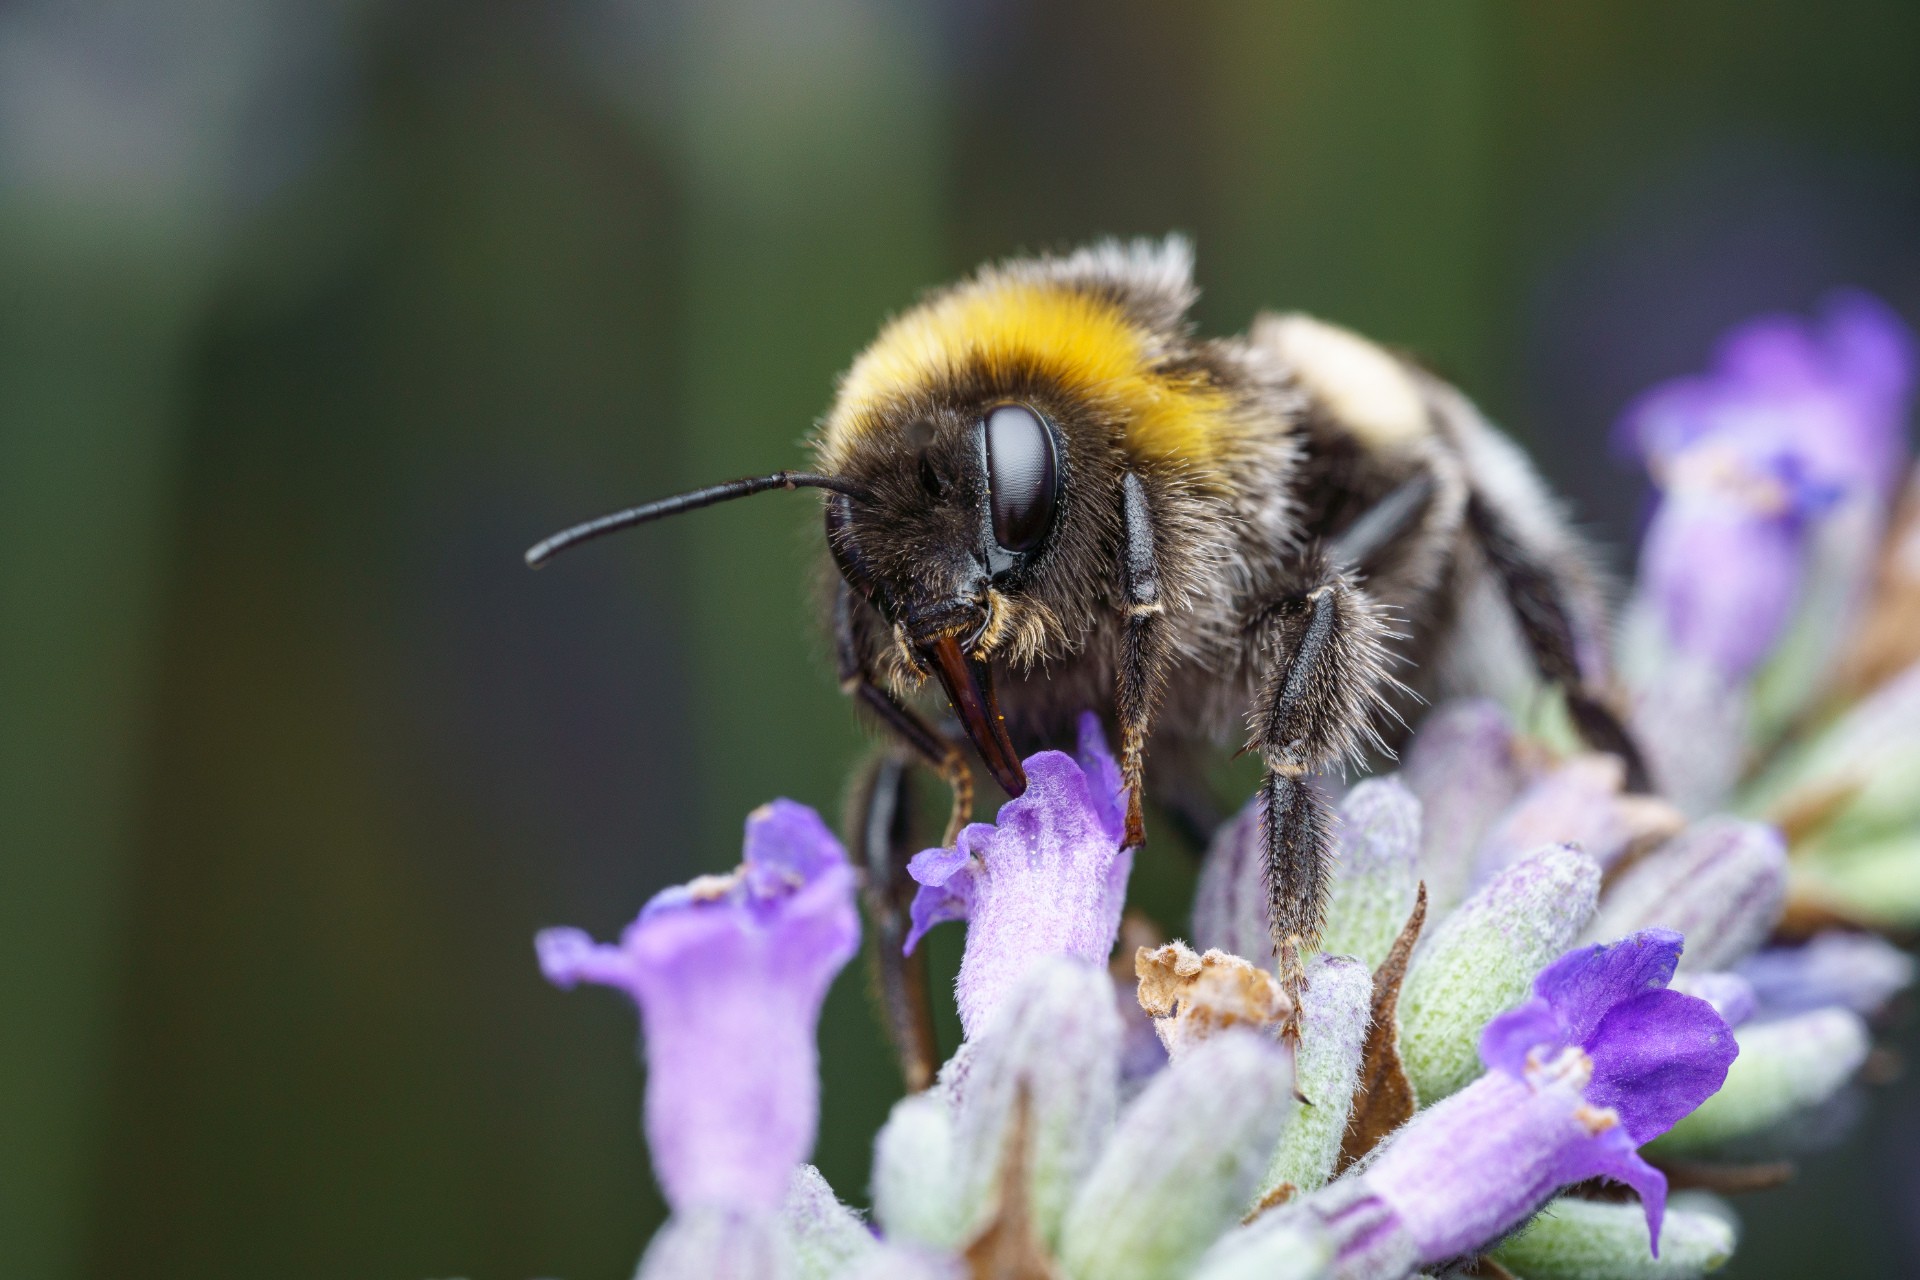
(1325, 684)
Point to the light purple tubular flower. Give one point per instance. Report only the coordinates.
(1048, 878)
(1794, 418)
(729, 973)
(1602, 1059)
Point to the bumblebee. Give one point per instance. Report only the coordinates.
(1045, 493)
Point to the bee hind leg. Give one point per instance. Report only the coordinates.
(1325, 685)
(1538, 597)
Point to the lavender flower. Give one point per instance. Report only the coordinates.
(1461, 1085)
(1602, 1059)
(1793, 419)
(1775, 470)
(729, 973)
(1048, 878)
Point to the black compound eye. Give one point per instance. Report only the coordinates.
(1023, 476)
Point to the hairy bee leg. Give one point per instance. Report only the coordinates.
(1546, 624)
(1142, 647)
(1299, 831)
(880, 836)
(1324, 686)
(935, 750)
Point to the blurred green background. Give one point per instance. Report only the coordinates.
(314, 313)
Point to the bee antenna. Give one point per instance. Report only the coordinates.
(543, 551)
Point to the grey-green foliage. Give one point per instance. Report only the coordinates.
(1482, 959)
(1182, 1163)
(1589, 1240)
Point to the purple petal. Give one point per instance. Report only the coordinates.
(1528, 1029)
(1584, 985)
(1656, 1057)
(729, 973)
(946, 879)
(1613, 1155)
(1108, 792)
(1048, 878)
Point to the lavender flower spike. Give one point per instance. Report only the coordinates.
(1602, 1059)
(1794, 419)
(1049, 878)
(729, 973)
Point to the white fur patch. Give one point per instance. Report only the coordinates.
(1368, 390)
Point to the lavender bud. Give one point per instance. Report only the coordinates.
(1230, 900)
(1464, 768)
(898, 1262)
(1482, 958)
(1857, 971)
(1182, 1163)
(913, 1173)
(1334, 1015)
(1376, 871)
(824, 1238)
(1578, 803)
(1721, 883)
(1784, 1067)
(1057, 1038)
(1574, 1239)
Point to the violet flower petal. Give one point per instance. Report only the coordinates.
(1655, 1058)
(729, 973)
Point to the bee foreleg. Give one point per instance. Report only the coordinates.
(1324, 686)
(1142, 646)
(879, 834)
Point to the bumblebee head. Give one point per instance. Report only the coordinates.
(974, 456)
